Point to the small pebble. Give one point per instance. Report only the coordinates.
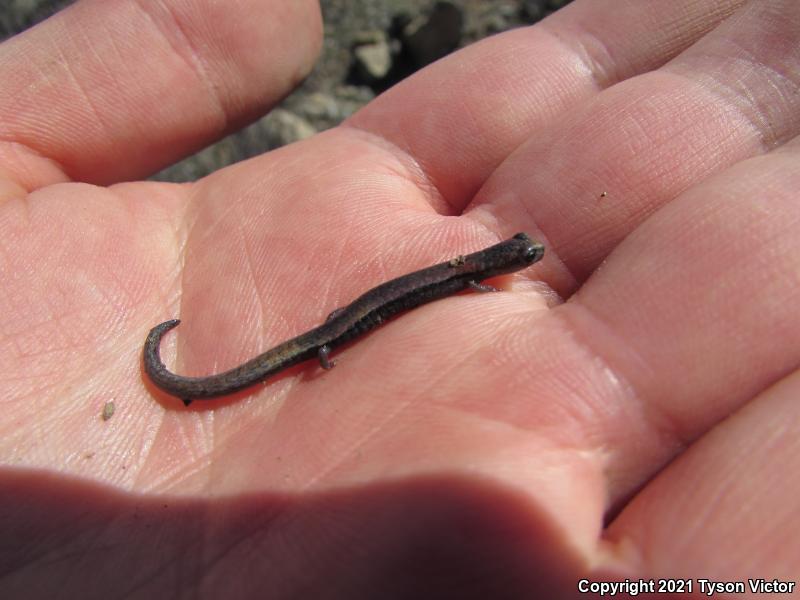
(108, 410)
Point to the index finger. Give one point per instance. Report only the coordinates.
(109, 91)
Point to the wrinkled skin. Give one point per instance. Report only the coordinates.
(625, 408)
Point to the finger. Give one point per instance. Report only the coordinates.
(589, 182)
(107, 91)
(729, 505)
(460, 117)
(693, 315)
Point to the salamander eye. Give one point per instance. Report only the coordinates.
(533, 252)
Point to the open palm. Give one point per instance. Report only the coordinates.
(625, 408)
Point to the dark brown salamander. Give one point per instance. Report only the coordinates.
(349, 322)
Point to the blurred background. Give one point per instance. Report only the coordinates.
(369, 46)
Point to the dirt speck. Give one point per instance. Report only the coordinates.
(108, 410)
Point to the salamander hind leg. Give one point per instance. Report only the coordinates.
(324, 353)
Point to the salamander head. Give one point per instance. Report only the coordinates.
(506, 257)
(530, 250)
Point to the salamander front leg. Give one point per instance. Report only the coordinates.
(482, 287)
(335, 313)
(325, 362)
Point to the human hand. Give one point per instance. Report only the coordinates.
(473, 447)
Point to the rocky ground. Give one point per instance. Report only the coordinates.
(369, 45)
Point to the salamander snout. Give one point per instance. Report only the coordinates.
(532, 250)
